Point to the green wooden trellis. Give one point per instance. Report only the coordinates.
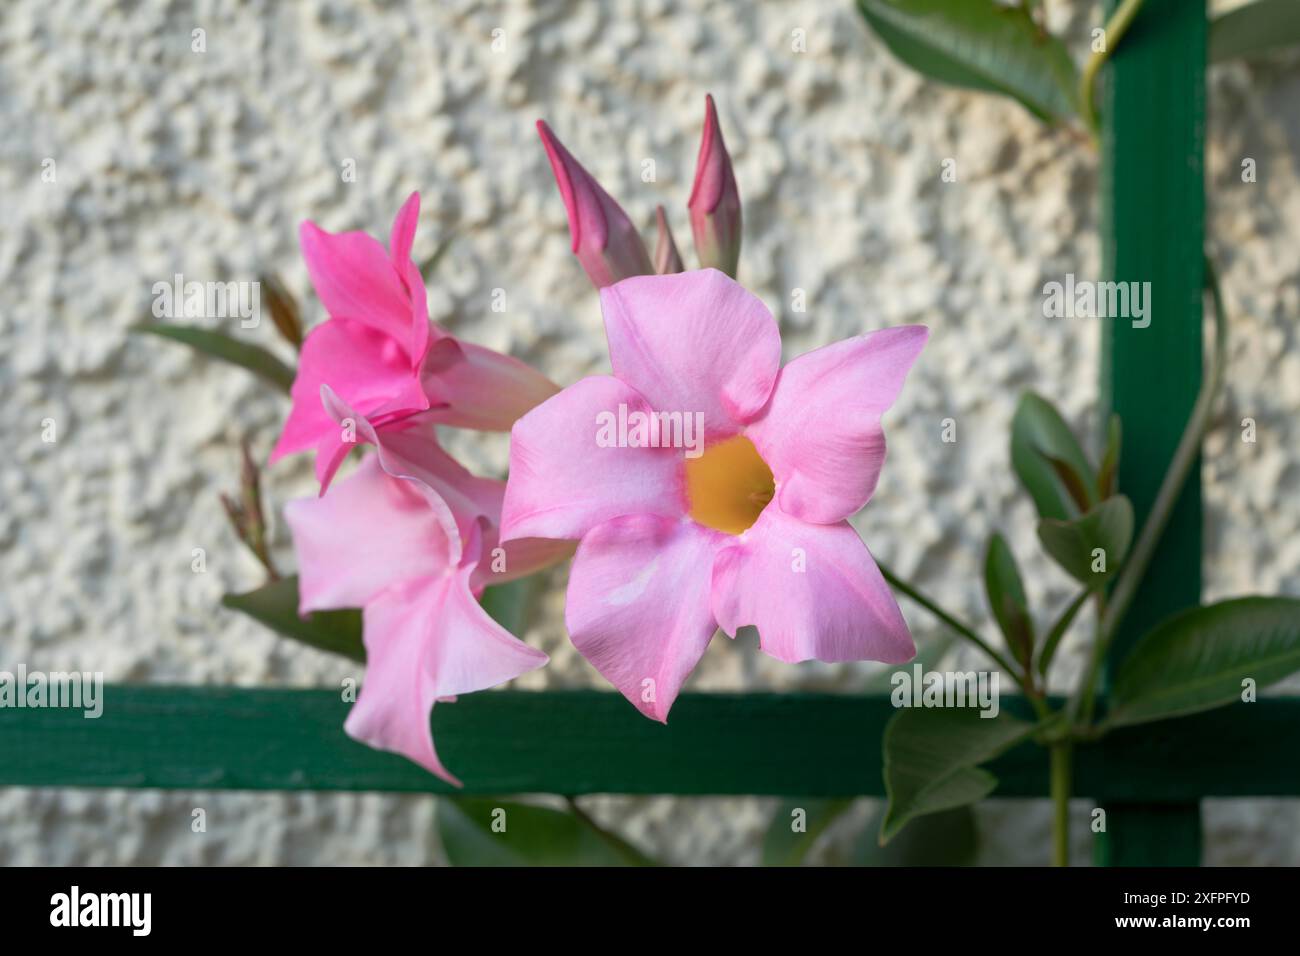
(1150, 778)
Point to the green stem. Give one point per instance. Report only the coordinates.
(1062, 758)
(1189, 447)
(1113, 32)
(965, 631)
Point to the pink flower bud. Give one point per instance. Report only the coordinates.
(715, 201)
(604, 239)
(667, 258)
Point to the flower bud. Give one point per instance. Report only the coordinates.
(604, 239)
(667, 258)
(715, 202)
(284, 309)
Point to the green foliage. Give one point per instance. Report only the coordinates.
(1199, 659)
(1264, 26)
(483, 831)
(1043, 450)
(1074, 544)
(1059, 630)
(1108, 472)
(932, 758)
(946, 838)
(980, 45)
(1006, 594)
(276, 605)
(218, 345)
(783, 845)
(508, 604)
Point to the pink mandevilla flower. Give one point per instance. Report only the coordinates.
(753, 530)
(411, 538)
(380, 353)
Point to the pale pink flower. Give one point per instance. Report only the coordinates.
(379, 351)
(753, 531)
(411, 538)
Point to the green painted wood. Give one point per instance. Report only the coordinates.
(575, 742)
(1153, 197)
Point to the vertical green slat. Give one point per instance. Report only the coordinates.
(1153, 227)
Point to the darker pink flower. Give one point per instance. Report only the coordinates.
(379, 351)
(730, 509)
(411, 538)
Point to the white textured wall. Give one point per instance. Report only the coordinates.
(170, 161)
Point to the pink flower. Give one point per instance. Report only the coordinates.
(746, 524)
(410, 537)
(380, 352)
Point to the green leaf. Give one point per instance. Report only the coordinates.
(508, 604)
(947, 838)
(1260, 27)
(932, 758)
(1059, 630)
(981, 45)
(783, 845)
(482, 831)
(1108, 471)
(1108, 527)
(218, 345)
(276, 606)
(1006, 596)
(1198, 659)
(1041, 446)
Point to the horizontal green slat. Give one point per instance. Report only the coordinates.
(589, 742)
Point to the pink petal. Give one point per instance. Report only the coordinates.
(694, 342)
(400, 240)
(355, 279)
(409, 451)
(428, 640)
(369, 532)
(402, 236)
(519, 559)
(476, 387)
(838, 608)
(362, 365)
(562, 483)
(821, 434)
(638, 605)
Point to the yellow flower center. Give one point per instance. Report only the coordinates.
(729, 485)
